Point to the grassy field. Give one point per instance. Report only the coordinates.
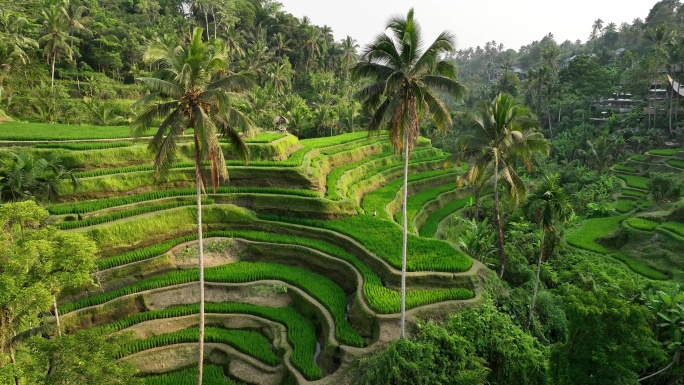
(18, 131)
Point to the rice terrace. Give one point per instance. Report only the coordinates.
(219, 192)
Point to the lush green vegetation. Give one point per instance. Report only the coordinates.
(623, 168)
(101, 204)
(417, 201)
(676, 163)
(249, 342)
(377, 200)
(379, 297)
(84, 146)
(587, 235)
(668, 152)
(624, 206)
(115, 216)
(17, 131)
(301, 333)
(641, 224)
(634, 181)
(383, 238)
(320, 288)
(212, 375)
(429, 228)
(675, 227)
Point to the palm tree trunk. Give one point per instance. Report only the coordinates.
(499, 225)
(670, 111)
(477, 205)
(206, 22)
(54, 302)
(404, 239)
(13, 360)
(54, 58)
(201, 271)
(536, 282)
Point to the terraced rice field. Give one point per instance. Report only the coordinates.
(295, 223)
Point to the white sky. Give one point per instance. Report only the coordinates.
(513, 23)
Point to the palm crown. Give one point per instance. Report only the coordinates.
(406, 80)
(193, 90)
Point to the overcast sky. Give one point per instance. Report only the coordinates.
(513, 23)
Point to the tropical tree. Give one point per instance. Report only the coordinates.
(194, 91)
(406, 87)
(312, 44)
(28, 177)
(503, 136)
(55, 39)
(547, 206)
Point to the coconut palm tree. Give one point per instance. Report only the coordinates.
(547, 206)
(192, 91)
(407, 82)
(312, 44)
(55, 40)
(503, 136)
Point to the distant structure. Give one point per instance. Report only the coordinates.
(280, 122)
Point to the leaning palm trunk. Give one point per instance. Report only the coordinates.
(201, 271)
(404, 239)
(59, 329)
(13, 360)
(54, 59)
(536, 282)
(499, 224)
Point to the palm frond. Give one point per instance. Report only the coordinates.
(163, 87)
(445, 85)
(438, 110)
(239, 81)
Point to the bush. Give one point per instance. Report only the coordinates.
(663, 187)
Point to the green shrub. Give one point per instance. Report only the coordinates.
(641, 224)
(211, 375)
(319, 287)
(664, 186)
(250, 343)
(637, 157)
(301, 333)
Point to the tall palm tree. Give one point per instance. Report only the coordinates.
(407, 82)
(547, 205)
(55, 39)
(503, 136)
(312, 44)
(189, 93)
